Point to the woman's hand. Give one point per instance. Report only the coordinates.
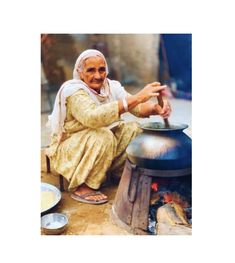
(149, 108)
(164, 111)
(146, 108)
(149, 91)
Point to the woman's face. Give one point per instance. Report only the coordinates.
(94, 72)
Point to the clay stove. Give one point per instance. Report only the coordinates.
(155, 153)
(131, 205)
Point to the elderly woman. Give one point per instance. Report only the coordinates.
(88, 137)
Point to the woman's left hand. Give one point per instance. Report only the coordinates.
(164, 111)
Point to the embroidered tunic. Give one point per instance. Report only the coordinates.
(94, 142)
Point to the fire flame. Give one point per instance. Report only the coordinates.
(154, 187)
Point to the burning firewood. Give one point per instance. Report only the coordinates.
(176, 198)
(172, 220)
(172, 214)
(155, 198)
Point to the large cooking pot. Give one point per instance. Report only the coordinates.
(161, 148)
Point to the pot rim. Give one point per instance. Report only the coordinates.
(176, 126)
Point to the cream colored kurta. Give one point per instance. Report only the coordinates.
(90, 148)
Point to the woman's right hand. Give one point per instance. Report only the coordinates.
(149, 91)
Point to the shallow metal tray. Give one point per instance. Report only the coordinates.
(55, 190)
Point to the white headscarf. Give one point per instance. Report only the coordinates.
(110, 91)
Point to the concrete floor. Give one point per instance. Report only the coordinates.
(86, 219)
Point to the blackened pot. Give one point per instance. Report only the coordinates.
(161, 148)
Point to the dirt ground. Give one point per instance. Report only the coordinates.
(86, 219)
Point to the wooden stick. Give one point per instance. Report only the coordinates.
(160, 101)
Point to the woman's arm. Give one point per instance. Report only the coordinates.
(149, 108)
(85, 110)
(149, 91)
(146, 108)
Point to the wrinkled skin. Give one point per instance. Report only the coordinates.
(94, 72)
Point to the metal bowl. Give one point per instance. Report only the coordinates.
(56, 192)
(54, 223)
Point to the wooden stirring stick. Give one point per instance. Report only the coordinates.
(160, 101)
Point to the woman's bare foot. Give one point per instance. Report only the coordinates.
(92, 195)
